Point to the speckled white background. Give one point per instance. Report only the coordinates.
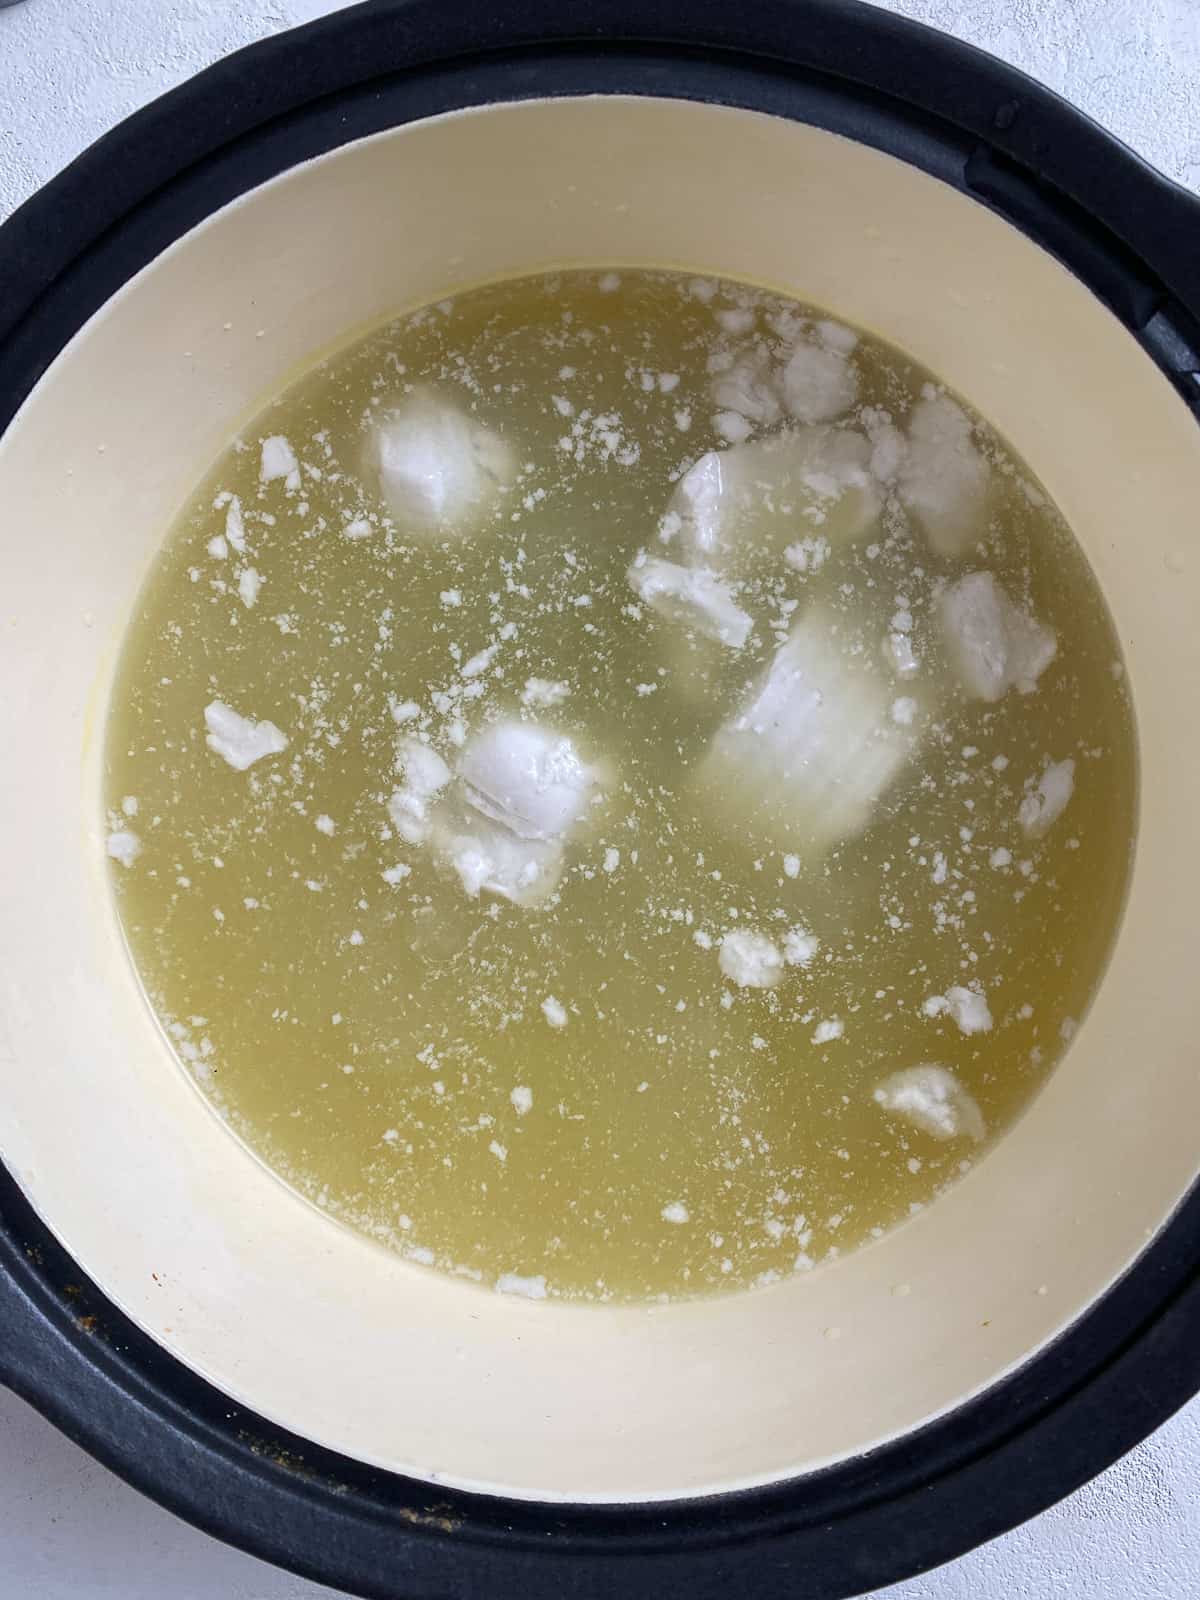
(69, 69)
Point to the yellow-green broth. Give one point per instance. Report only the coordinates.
(572, 1097)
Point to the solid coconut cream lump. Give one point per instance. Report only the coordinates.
(619, 786)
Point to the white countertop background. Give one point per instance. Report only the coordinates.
(69, 1530)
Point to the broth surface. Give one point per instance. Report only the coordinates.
(663, 1060)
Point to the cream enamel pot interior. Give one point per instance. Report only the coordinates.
(173, 1221)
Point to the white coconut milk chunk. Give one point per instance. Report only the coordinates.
(943, 479)
(439, 470)
(693, 597)
(992, 644)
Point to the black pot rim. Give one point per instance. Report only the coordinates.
(1134, 1356)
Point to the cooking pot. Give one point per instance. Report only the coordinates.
(167, 1301)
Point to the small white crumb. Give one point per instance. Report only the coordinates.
(278, 460)
(612, 860)
(933, 1100)
(704, 940)
(406, 711)
(544, 692)
(359, 528)
(396, 874)
(609, 282)
(522, 1099)
(732, 426)
(1047, 799)
(1068, 1029)
(826, 1032)
(480, 662)
(498, 1150)
(129, 805)
(513, 1283)
(791, 866)
(968, 1008)
(799, 947)
(218, 546)
(325, 824)
(235, 525)
(124, 846)
(904, 710)
(807, 555)
(237, 739)
(676, 1211)
(451, 597)
(750, 959)
(1000, 857)
(554, 1012)
(249, 583)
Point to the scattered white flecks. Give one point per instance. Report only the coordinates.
(612, 859)
(702, 939)
(932, 1099)
(359, 528)
(967, 1007)
(238, 740)
(643, 689)
(396, 874)
(278, 460)
(514, 1283)
(791, 866)
(554, 1012)
(827, 1031)
(675, 1212)
(544, 692)
(940, 870)
(249, 583)
(1000, 857)
(124, 846)
(235, 525)
(904, 709)
(800, 946)
(609, 282)
(129, 805)
(218, 547)
(451, 598)
(750, 959)
(325, 824)
(498, 1150)
(522, 1099)
(1047, 797)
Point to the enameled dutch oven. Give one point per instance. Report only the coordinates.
(166, 1301)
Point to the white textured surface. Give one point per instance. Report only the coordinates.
(70, 69)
